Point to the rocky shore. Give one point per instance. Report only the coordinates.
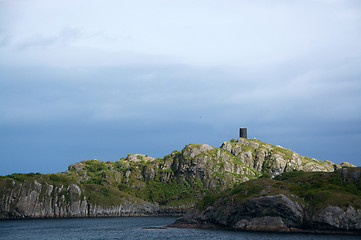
(283, 212)
(274, 214)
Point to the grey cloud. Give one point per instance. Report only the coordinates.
(66, 35)
(5, 40)
(110, 93)
(108, 112)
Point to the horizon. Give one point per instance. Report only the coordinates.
(149, 77)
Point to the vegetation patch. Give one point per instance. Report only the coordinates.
(60, 178)
(104, 195)
(315, 189)
(208, 200)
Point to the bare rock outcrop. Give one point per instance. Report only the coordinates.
(38, 200)
(273, 213)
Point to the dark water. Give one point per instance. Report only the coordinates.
(130, 228)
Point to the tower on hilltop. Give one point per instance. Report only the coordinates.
(243, 132)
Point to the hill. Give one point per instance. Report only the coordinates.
(142, 185)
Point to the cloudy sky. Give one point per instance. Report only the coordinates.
(84, 79)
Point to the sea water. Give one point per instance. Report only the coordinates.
(132, 228)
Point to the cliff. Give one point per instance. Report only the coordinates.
(142, 185)
(292, 202)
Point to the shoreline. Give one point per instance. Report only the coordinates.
(208, 226)
(288, 230)
(83, 217)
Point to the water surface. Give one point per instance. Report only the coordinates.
(131, 228)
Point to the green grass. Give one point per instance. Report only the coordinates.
(60, 178)
(95, 166)
(22, 177)
(104, 195)
(209, 199)
(120, 166)
(316, 189)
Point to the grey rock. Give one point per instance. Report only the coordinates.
(279, 164)
(260, 158)
(275, 213)
(267, 223)
(137, 158)
(226, 146)
(333, 217)
(149, 172)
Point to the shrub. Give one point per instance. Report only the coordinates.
(335, 179)
(316, 198)
(208, 200)
(21, 177)
(95, 166)
(266, 175)
(289, 175)
(59, 178)
(120, 166)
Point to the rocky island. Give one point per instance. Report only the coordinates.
(244, 184)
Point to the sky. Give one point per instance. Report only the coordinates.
(86, 79)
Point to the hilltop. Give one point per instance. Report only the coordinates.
(142, 185)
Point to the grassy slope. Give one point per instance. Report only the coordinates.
(314, 189)
(105, 183)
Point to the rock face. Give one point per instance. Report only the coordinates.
(335, 218)
(267, 210)
(142, 185)
(274, 213)
(268, 213)
(44, 200)
(273, 159)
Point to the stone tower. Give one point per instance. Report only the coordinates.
(243, 132)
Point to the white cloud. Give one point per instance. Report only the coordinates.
(237, 33)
